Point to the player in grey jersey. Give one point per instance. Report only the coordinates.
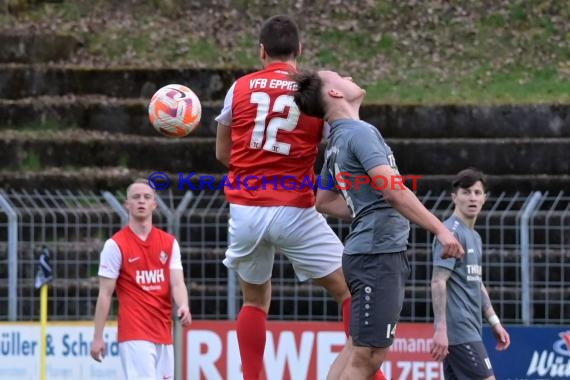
(458, 294)
(361, 165)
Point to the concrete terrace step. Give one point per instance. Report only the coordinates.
(80, 148)
(81, 178)
(510, 156)
(93, 112)
(22, 81)
(129, 115)
(476, 121)
(520, 156)
(34, 48)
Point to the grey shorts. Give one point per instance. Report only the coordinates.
(377, 285)
(467, 361)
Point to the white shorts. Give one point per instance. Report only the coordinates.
(301, 234)
(144, 360)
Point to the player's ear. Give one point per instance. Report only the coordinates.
(335, 93)
(262, 52)
(299, 50)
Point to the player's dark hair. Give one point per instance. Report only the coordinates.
(308, 96)
(279, 36)
(467, 178)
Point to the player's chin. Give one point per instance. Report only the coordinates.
(472, 211)
(142, 213)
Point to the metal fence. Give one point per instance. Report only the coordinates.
(526, 241)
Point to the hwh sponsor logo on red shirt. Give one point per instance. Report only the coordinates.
(146, 277)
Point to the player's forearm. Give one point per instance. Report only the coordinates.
(333, 204)
(410, 207)
(486, 305)
(223, 159)
(101, 314)
(336, 208)
(223, 144)
(180, 294)
(439, 301)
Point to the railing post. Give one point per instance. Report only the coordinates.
(182, 206)
(526, 298)
(116, 205)
(12, 257)
(173, 222)
(178, 331)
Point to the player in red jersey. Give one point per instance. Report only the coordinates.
(270, 149)
(143, 264)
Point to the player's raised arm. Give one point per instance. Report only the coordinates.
(406, 202)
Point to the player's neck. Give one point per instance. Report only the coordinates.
(291, 62)
(467, 220)
(343, 110)
(141, 228)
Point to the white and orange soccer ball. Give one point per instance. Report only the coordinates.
(175, 110)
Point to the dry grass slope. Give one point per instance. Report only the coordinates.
(409, 51)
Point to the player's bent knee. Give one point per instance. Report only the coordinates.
(335, 284)
(256, 295)
(368, 357)
(379, 355)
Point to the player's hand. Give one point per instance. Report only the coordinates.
(440, 348)
(502, 336)
(184, 316)
(98, 349)
(450, 246)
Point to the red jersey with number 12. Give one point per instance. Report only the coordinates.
(274, 146)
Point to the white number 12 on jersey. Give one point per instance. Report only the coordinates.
(288, 123)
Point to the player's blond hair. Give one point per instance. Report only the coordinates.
(143, 181)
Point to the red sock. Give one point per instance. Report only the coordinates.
(346, 315)
(346, 322)
(251, 340)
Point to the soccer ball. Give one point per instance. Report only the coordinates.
(174, 110)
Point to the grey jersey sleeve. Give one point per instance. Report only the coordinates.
(437, 260)
(368, 148)
(325, 181)
(438, 249)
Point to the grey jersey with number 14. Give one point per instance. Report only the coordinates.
(353, 148)
(463, 314)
